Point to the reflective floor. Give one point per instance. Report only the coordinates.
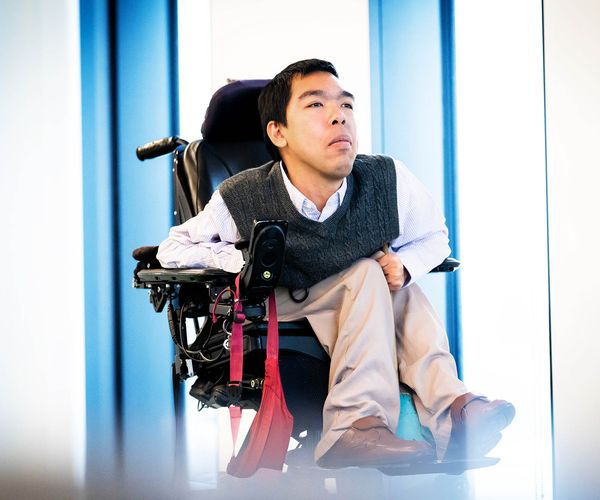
(523, 471)
(311, 483)
(149, 472)
(347, 484)
(500, 481)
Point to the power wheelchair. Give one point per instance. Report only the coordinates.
(233, 141)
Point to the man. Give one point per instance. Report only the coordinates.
(344, 213)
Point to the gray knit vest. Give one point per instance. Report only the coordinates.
(367, 218)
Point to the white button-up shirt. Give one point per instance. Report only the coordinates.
(207, 240)
(307, 207)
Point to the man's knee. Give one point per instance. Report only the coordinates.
(411, 297)
(367, 276)
(364, 276)
(369, 267)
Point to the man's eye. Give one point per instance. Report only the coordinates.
(348, 105)
(315, 105)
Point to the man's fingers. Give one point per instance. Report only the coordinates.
(395, 280)
(393, 270)
(378, 255)
(394, 285)
(391, 264)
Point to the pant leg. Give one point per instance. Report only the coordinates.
(352, 316)
(425, 363)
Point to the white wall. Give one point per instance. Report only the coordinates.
(572, 39)
(246, 40)
(502, 220)
(42, 407)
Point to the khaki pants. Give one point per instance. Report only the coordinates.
(353, 315)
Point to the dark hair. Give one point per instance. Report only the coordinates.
(275, 96)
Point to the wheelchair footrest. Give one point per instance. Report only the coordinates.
(453, 467)
(303, 459)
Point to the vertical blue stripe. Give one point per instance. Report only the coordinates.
(114, 134)
(99, 245)
(453, 305)
(551, 365)
(376, 55)
(173, 40)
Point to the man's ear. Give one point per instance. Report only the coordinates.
(276, 134)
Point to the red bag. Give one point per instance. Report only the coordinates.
(267, 440)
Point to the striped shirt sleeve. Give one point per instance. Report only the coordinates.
(423, 240)
(204, 241)
(207, 240)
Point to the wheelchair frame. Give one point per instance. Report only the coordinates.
(205, 293)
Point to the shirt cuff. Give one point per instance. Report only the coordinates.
(413, 265)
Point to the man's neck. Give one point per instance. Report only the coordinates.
(316, 188)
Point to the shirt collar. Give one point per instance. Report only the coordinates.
(306, 207)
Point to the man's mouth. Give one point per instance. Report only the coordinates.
(341, 139)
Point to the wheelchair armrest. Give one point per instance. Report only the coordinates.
(164, 283)
(263, 256)
(184, 275)
(149, 271)
(449, 265)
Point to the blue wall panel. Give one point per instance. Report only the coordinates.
(412, 97)
(127, 100)
(100, 251)
(144, 103)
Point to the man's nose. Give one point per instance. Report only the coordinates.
(337, 116)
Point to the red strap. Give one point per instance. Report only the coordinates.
(235, 416)
(236, 340)
(236, 359)
(273, 330)
(268, 438)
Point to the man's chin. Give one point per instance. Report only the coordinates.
(346, 166)
(341, 171)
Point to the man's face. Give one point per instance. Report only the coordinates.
(320, 134)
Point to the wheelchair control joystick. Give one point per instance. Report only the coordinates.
(264, 256)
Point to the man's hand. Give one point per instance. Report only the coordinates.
(394, 271)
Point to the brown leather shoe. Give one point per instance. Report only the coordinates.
(370, 443)
(476, 425)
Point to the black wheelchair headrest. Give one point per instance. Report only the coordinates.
(232, 114)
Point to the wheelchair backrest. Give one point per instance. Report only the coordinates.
(232, 141)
